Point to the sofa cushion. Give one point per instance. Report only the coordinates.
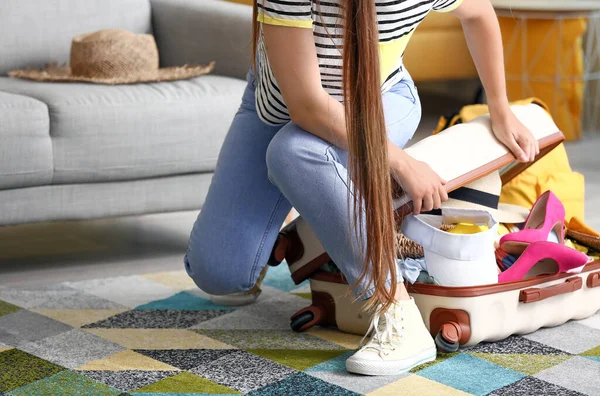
(25, 146)
(105, 133)
(36, 32)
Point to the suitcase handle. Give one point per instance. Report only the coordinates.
(593, 280)
(534, 294)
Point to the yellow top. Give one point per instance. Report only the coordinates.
(397, 21)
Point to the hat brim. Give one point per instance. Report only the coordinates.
(506, 213)
(63, 74)
(462, 273)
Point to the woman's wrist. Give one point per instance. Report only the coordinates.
(396, 158)
(499, 108)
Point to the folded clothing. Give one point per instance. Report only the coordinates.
(424, 277)
(504, 260)
(411, 268)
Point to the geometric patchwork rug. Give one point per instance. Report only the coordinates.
(158, 334)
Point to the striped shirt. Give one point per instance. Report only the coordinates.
(397, 21)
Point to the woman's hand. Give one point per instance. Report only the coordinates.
(514, 135)
(419, 181)
(482, 31)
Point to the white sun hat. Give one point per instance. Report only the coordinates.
(456, 260)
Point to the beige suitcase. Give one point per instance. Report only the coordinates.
(454, 315)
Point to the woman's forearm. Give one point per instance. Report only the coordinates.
(324, 117)
(484, 38)
(482, 31)
(297, 72)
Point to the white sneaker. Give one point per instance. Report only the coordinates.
(399, 341)
(242, 298)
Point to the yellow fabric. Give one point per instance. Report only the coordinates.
(552, 172)
(576, 224)
(389, 53)
(503, 230)
(262, 18)
(551, 49)
(569, 187)
(574, 245)
(468, 228)
(468, 113)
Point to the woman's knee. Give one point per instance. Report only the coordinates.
(211, 276)
(291, 150)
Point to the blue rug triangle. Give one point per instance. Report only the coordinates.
(185, 394)
(337, 364)
(184, 301)
(279, 278)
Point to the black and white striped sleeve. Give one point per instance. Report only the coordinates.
(292, 13)
(445, 5)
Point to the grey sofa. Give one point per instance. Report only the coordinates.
(81, 151)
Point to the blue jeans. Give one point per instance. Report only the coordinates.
(262, 171)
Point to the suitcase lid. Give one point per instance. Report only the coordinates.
(469, 151)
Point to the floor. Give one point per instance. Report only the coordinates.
(157, 334)
(56, 252)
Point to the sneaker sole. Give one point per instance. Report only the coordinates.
(234, 300)
(367, 367)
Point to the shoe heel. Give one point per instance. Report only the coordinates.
(559, 229)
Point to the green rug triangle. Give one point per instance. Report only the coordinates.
(7, 308)
(19, 368)
(523, 363)
(186, 383)
(440, 358)
(592, 352)
(297, 359)
(308, 296)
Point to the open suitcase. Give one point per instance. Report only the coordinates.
(455, 316)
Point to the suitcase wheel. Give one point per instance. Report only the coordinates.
(445, 346)
(305, 319)
(447, 340)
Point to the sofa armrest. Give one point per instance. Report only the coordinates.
(200, 31)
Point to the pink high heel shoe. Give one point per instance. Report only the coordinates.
(547, 215)
(544, 258)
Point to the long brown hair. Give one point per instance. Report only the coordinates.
(367, 146)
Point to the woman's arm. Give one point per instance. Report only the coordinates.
(293, 58)
(482, 32)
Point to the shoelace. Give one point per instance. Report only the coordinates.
(382, 339)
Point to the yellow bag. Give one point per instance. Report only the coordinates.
(551, 172)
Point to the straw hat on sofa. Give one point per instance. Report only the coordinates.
(113, 56)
